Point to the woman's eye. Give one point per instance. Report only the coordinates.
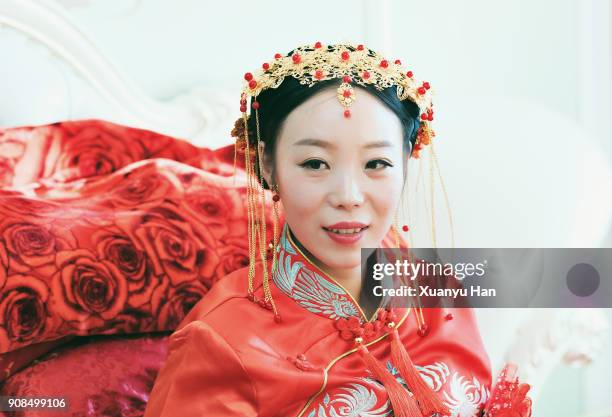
(314, 164)
(378, 163)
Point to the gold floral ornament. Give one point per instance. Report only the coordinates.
(353, 64)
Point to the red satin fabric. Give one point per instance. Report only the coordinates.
(100, 375)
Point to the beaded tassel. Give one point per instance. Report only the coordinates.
(257, 223)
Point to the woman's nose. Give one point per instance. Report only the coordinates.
(347, 192)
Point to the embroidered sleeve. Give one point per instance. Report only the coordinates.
(202, 376)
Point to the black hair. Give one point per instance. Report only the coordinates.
(275, 104)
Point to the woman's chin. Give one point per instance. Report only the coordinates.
(342, 260)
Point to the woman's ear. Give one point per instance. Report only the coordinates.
(265, 163)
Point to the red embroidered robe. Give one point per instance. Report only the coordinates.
(229, 357)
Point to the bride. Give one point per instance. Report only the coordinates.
(330, 130)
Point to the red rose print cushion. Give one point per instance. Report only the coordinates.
(72, 150)
(109, 229)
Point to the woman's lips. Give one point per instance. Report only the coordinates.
(341, 236)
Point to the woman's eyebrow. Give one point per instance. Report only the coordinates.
(325, 144)
(314, 142)
(379, 144)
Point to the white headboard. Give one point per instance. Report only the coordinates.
(78, 81)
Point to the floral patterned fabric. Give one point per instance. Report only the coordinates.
(367, 397)
(107, 229)
(67, 151)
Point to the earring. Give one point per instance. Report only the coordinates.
(422, 328)
(275, 200)
(396, 231)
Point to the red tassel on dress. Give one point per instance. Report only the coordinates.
(402, 401)
(429, 402)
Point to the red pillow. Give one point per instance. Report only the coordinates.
(98, 375)
(107, 241)
(66, 151)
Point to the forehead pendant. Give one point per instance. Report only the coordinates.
(346, 95)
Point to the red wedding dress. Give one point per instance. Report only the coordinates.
(229, 357)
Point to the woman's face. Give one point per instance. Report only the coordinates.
(331, 169)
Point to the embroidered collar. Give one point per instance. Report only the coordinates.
(313, 289)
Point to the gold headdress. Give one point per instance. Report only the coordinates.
(353, 64)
